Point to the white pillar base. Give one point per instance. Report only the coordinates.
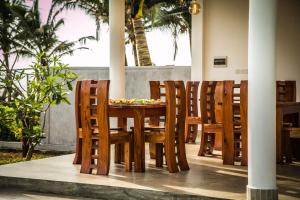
(261, 194)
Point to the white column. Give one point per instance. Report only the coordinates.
(262, 100)
(117, 48)
(197, 71)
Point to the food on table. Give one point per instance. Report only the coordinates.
(134, 101)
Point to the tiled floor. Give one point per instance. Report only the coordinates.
(207, 176)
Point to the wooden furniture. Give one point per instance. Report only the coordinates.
(122, 124)
(78, 153)
(211, 130)
(286, 91)
(235, 103)
(289, 134)
(282, 133)
(157, 91)
(192, 118)
(138, 112)
(171, 139)
(95, 131)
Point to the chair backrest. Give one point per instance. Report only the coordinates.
(175, 123)
(235, 103)
(95, 124)
(192, 98)
(207, 102)
(286, 91)
(219, 102)
(157, 91)
(77, 105)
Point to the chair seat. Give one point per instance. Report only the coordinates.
(112, 130)
(194, 120)
(155, 137)
(211, 128)
(154, 127)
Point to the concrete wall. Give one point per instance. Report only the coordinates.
(226, 34)
(288, 42)
(61, 119)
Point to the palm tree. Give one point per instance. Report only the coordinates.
(172, 16)
(24, 34)
(139, 17)
(137, 7)
(8, 45)
(43, 38)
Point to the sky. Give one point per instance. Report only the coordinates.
(78, 24)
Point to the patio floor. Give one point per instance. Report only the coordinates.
(208, 177)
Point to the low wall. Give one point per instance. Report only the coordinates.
(60, 126)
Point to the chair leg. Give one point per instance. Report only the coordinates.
(86, 156)
(202, 144)
(181, 154)
(159, 154)
(119, 152)
(152, 150)
(195, 133)
(170, 156)
(288, 148)
(78, 154)
(187, 132)
(218, 140)
(127, 157)
(103, 157)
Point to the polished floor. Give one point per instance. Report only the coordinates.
(207, 176)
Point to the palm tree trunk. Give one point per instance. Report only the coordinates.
(135, 54)
(143, 54)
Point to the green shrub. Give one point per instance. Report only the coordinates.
(9, 129)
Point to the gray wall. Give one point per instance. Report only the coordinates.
(61, 119)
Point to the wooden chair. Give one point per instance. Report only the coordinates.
(157, 91)
(95, 134)
(211, 130)
(192, 118)
(235, 105)
(171, 138)
(289, 134)
(78, 154)
(286, 91)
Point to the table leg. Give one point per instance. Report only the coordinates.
(119, 148)
(139, 141)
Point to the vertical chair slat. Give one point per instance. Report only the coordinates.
(78, 155)
(228, 141)
(103, 122)
(244, 121)
(192, 118)
(86, 131)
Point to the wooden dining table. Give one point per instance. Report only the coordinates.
(138, 112)
(282, 109)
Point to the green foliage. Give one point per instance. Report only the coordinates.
(25, 95)
(48, 84)
(9, 129)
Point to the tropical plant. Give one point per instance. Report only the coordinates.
(9, 129)
(139, 17)
(49, 83)
(8, 37)
(172, 16)
(43, 38)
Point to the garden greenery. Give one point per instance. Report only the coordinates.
(27, 94)
(48, 84)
